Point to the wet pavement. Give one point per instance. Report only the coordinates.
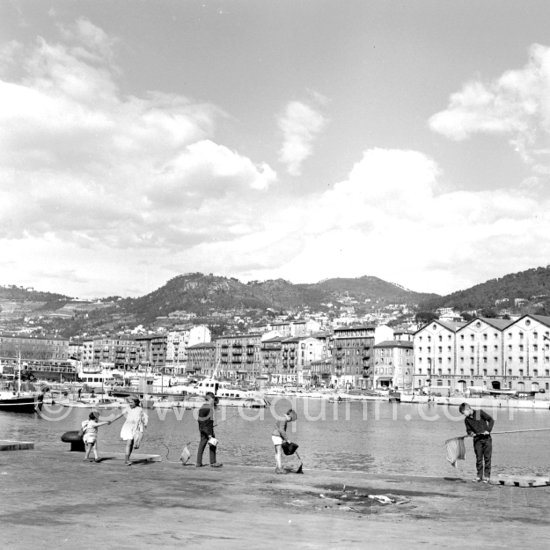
(53, 499)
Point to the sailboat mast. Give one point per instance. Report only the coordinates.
(19, 373)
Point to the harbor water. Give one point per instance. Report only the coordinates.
(371, 436)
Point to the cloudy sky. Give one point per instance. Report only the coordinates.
(276, 138)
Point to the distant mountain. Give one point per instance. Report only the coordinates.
(532, 285)
(201, 294)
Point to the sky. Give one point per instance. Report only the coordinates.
(295, 139)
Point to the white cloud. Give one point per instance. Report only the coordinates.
(300, 124)
(82, 163)
(515, 105)
(391, 218)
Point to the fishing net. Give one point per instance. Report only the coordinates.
(456, 450)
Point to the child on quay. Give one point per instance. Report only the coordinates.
(279, 435)
(89, 427)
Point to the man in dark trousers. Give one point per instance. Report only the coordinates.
(206, 429)
(479, 425)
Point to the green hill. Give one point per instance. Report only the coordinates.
(532, 285)
(201, 294)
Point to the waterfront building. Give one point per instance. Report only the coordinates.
(352, 356)
(201, 359)
(483, 355)
(152, 352)
(434, 349)
(526, 350)
(321, 372)
(271, 357)
(479, 357)
(33, 349)
(44, 357)
(393, 365)
(238, 357)
(112, 352)
(177, 344)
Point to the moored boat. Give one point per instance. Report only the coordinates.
(21, 402)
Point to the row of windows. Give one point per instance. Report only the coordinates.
(485, 372)
(510, 348)
(485, 336)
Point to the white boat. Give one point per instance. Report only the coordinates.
(92, 403)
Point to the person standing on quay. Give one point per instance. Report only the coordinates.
(90, 429)
(133, 428)
(279, 436)
(206, 430)
(479, 425)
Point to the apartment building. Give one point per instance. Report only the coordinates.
(177, 344)
(238, 357)
(201, 359)
(352, 356)
(31, 349)
(393, 365)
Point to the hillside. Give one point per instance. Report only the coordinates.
(532, 285)
(372, 288)
(201, 294)
(17, 302)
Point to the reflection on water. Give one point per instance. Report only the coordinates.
(371, 436)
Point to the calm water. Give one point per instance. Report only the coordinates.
(373, 437)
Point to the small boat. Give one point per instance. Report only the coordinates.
(93, 403)
(21, 402)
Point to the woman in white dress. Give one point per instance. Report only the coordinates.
(133, 428)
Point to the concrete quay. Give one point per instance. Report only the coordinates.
(52, 499)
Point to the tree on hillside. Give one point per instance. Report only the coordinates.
(489, 312)
(425, 317)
